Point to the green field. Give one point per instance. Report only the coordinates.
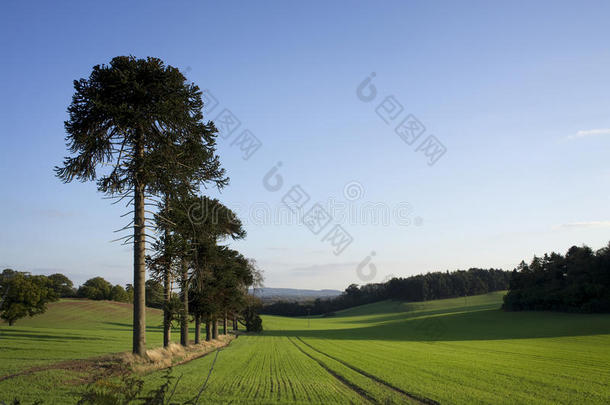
(458, 351)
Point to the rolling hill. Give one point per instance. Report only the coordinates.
(457, 351)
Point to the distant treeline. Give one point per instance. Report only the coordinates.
(578, 282)
(422, 287)
(23, 294)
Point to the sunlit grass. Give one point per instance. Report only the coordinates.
(462, 350)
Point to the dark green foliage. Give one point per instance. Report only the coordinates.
(423, 287)
(62, 285)
(95, 289)
(252, 319)
(578, 281)
(99, 289)
(22, 294)
(119, 294)
(212, 278)
(154, 294)
(138, 102)
(136, 127)
(221, 288)
(129, 291)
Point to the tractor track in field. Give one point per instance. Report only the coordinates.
(357, 389)
(413, 397)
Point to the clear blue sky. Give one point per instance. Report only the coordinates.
(518, 93)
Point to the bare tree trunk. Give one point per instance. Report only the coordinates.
(235, 322)
(184, 318)
(215, 328)
(197, 329)
(139, 262)
(224, 324)
(208, 329)
(167, 316)
(167, 291)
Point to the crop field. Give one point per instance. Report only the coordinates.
(70, 330)
(454, 351)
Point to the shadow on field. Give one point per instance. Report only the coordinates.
(128, 326)
(486, 324)
(27, 334)
(412, 312)
(149, 328)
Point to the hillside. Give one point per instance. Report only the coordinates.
(458, 351)
(72, 329)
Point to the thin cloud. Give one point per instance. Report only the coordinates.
(590, 132)
(586, 224)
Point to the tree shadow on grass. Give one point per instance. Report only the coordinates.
(129, 325)
(149, 328)
(28, 334)
(485, 324)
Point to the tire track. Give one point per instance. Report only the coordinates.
(357, 389)
(415, 397)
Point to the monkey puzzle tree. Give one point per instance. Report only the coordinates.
(200, 222)
(234, 274)
(136, 127)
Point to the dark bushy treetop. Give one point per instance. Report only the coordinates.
(23, 294)
(578, 281)
(154, 294)
(62, 285)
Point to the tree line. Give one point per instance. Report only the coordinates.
(136, 127)
(423, 287)
(96, 288)
(578, 281)
(23, 294)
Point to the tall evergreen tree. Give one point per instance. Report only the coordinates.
(139, 124)
(198, 224)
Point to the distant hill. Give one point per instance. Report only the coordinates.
(292, 294)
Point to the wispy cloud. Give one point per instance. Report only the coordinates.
(586, 224)
(590, 132)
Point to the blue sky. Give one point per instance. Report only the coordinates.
(517, 93)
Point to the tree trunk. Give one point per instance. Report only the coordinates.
(235, 323)
(139, 262)
(224, 324)
(167, 291)
(184, 318)
(215, 329)
(197, 329)
(208, 330)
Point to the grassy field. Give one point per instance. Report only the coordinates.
(69, 330)
(456, 351)
(72, 329)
